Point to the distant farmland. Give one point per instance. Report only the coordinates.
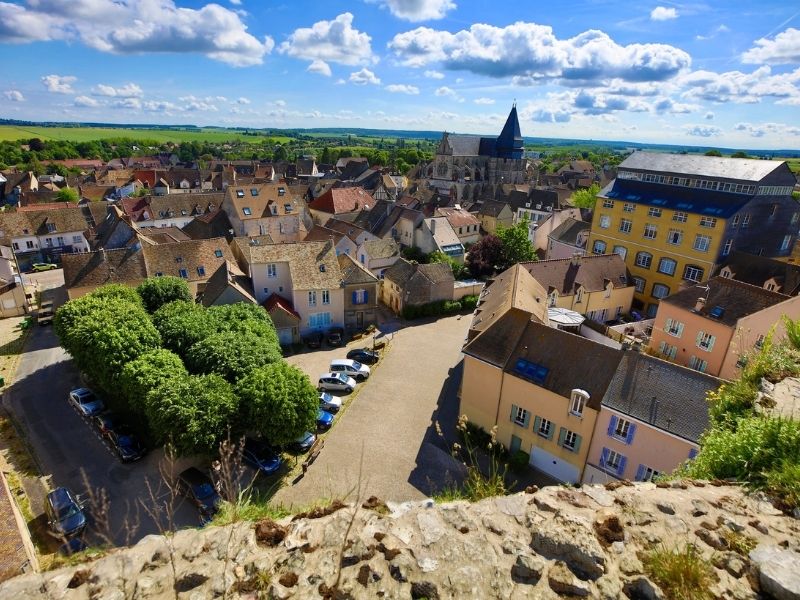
(86, 134)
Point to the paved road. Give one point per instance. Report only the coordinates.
(390, 421)
(67, 447)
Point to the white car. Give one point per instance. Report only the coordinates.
(336, 382)
(351, 368)
(329, 402)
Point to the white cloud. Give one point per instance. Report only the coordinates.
(739, 87)
(192, 104)
(159, 106)
(86, 101)
(236, 2)
(532, 50)
(320, 67)
(702, 130)
(418, 10)
(762, 129)
(330, 41)
(716, 31)
(280, 103)
(243, 100)
(547, 115)
(783, 49)
(401, 88)
(446, 92)
(14, 96)
(709, 116)
(430, 74)
(129, 90)
(58, 84)
(136, 27)
(662, 13)
(363, 77)
(483, 101)
(668, 105)
(127, 103)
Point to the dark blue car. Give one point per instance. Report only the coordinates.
(125, 444)
(324, 419)
(65, 516)
(261, 457)
(199, 490)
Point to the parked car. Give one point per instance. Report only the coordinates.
(39, 267)
(125, 444)
(314, 340)
(362, 355)
(324, 420)
(104, 422)
(336, 382)
(303, 443)
(45, 314)
(329, 402)
(65, 515)
(351, 368)
(85, 402)
(261, 456)
(336, 336)
(198, 489)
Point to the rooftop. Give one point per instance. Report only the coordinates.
(312, 265)
(742, 169)
(569, 230)
(342, 200)
(593, 273)
(757, 270)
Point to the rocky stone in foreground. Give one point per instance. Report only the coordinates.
(555, 543)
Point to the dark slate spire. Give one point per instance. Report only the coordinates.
(509, 143)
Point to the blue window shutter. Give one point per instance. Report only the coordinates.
(623, 460)
(578, 440)
(355, 298)
(612, 424)
(604, 457)
(537, 422)
(692, 453)
(366, 296)
(640, 473)
(526, 421)
(562, 433)
(631, 431)
(513, 411)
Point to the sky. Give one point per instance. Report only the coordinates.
(714, 73)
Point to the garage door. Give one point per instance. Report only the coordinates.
(285, 336)
(553, 466)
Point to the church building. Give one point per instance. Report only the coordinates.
(471, 167)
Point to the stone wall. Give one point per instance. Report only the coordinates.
(557, 542)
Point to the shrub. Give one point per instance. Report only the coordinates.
(469, 302)
(683, 574)
(519, 461)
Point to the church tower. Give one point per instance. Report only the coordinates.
(509, 143)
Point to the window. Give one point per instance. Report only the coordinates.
(667, 266)
(272, 270)
(51, 227)
(552, 299)
(520, 416)
(613, 461)
(15, 245)
(605, 222)
(77, 239)
(326, 297)
(745, 221)
(668, 350)
(628, 207)
(645, 473)
(625, 225)
(698, 364)
(644, 260)
(578, 402)
(705, 341)
(787, 240)
(254, 191)
(530, 370)
(760, 341)
(702, 242)
(675, 237)
(240, 193)
(654, 212)
(599, 247)
(638, 284)
(312, 298)
(621, 250)
(29, 244)
(569, 440)
(673, 328)
(735, 221)
(693, 273)
(709, 222)
(319, 320)
(266, 291)
(726, 249)
(201, 271)
(579, 296)
(183, 273)
(660, 291)
(680, 217)
(360, 296)
(650, 231)
(60, 241)
(608, 203)
(622, 429)
(543, 427)
(247, 212)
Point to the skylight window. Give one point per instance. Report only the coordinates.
(218, 253)
(240, 193)
(247, 212)
(530, 370)
(254, 192)
(717, 312)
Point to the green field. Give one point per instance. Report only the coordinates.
(86, 134)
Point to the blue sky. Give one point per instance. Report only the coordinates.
(708, 73)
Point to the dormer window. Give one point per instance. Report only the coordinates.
(578, 400)
(273, 209)
(183, 212)
(178, 259)
(552, 299)
(579, 295)
(240, 193)
(51, 227)
(247, 212)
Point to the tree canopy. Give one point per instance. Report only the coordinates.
(68, 194)
(232, 355)
(516, 245)
(586, 198)
(158, 291)
(484, 256)
(182, 324)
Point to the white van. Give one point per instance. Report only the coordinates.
(351, 368)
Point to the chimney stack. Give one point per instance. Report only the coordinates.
(433, 226)
(701, 302)
(576, 259)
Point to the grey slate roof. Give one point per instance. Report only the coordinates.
(757, 270)
(464, 145)
(378, 249)
(665, 395)
(744, 169)
(568, 231)
(353, 272)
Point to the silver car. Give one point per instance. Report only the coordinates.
(336, 382)
(329, 402)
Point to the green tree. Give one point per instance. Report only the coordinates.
(244, 317)
(713, 153)
(68, 194)
(193, 413)
(586, 198)
(119, 291)
(146, 372)
(232, 355)
(459, 270)
(516, 245)
(182, 324)
(739, 154)
(279, 402)
(158, 291)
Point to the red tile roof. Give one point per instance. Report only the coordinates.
(277, 301)
(342, 200)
